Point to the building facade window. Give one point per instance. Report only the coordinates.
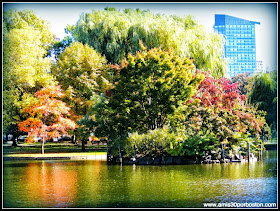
(240, 46)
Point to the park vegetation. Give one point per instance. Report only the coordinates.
(48, 116)
(150, 84)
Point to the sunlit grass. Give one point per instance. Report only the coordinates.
(35, 148)
(271, 141)
(69, 154)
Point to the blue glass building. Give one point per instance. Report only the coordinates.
(240, 43)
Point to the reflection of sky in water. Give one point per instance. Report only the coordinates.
(95, 184)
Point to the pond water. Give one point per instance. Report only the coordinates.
(86, 183)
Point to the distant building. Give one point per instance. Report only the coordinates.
(240, 43)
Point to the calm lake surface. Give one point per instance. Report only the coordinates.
(87, 183)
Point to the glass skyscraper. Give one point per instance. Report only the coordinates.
(240, 43)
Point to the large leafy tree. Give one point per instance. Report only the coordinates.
(264, 96)
(218, 115)
(81, 72)
(48, 116)
(116, 33)
(149, 87)
(21, 19)
(26, 39)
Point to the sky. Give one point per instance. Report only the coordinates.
(60, 14)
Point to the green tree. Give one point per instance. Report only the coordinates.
(115, 34)
(21, 19)
(149, 87)
(26, 39)
(82, 73)
(264, 96)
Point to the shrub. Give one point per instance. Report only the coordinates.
(153, 143)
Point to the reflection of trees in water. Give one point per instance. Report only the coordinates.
(89, 183)
(51, 184)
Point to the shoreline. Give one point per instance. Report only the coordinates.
(102, 156)
(174, 160)
(58, 156)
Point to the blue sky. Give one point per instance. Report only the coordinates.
(61, 14)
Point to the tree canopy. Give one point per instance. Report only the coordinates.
(264, 95)
(21, 19)
(48, 116)
(149, 87)
(217, 114)
(81, 72)
(26, 39)
(115, 34)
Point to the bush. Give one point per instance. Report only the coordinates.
(195, 146)
(153, 143)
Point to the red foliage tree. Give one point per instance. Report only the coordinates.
(218, 107)
(219, 92)
(48, 116)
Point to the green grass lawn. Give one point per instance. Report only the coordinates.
(271, 141)
(53, 155)
(68, 154)
(27, 148)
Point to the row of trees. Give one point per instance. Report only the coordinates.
(127, 76)
(26, 69)
(115, 34)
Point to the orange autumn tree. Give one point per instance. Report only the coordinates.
(48, 116)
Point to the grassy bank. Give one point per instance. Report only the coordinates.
(58, 156)
(70, 154)
(71, 151)
(35, 148)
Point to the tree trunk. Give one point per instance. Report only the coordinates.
(134, 149)
(249, 152)
(107, 147)
(83, 146)
(14, 142)
(42, 146)
(222, 152)
(74, 139)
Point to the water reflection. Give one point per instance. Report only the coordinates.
(46, 184)
(96, 184)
